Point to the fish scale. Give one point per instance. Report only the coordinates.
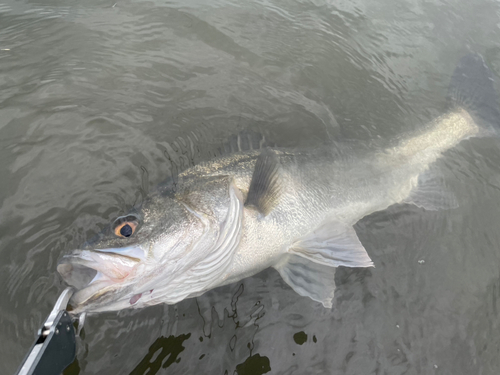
(294, 210)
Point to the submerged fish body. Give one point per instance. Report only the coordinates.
(293, 210)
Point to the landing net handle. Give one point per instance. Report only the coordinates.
(55, 347)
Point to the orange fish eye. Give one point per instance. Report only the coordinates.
(125, 226)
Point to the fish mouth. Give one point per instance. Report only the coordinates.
(94, 273)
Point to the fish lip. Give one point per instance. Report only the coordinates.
(95, 273)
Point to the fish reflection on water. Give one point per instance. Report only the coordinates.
(293, 210)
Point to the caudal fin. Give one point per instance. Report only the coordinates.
(471, 88)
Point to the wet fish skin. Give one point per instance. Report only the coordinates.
(293, 210)
(317, 185)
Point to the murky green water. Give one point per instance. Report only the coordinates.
(94, 96)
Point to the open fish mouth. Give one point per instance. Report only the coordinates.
(94, 272)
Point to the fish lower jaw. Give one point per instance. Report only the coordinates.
(95, 292)
(91, 292)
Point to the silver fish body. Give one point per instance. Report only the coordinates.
(236, 215)
(334, 189)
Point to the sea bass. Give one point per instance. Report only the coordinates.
(293, 210)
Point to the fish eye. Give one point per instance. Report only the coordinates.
(125, 226)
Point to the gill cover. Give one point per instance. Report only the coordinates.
(218, 206)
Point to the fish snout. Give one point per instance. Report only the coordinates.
(92, 272)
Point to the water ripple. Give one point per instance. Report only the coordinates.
(100, 103)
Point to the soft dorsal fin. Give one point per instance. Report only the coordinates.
(265, 187)
(472, 88)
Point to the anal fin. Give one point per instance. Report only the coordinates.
(431, 193)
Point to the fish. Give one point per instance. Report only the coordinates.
(291, 209)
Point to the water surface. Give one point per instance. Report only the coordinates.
(100, 101)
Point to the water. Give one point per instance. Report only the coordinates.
(94, 95)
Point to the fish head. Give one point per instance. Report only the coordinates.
(174, 247)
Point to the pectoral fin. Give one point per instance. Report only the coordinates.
(308, 279)
(265, 187)
(333, 244)
(432, 194)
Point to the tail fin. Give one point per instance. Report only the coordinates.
(471, 88)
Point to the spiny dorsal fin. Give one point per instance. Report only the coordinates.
(246, 140)
(265, 187)
(204, 144)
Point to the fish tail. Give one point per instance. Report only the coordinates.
(472, 88)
